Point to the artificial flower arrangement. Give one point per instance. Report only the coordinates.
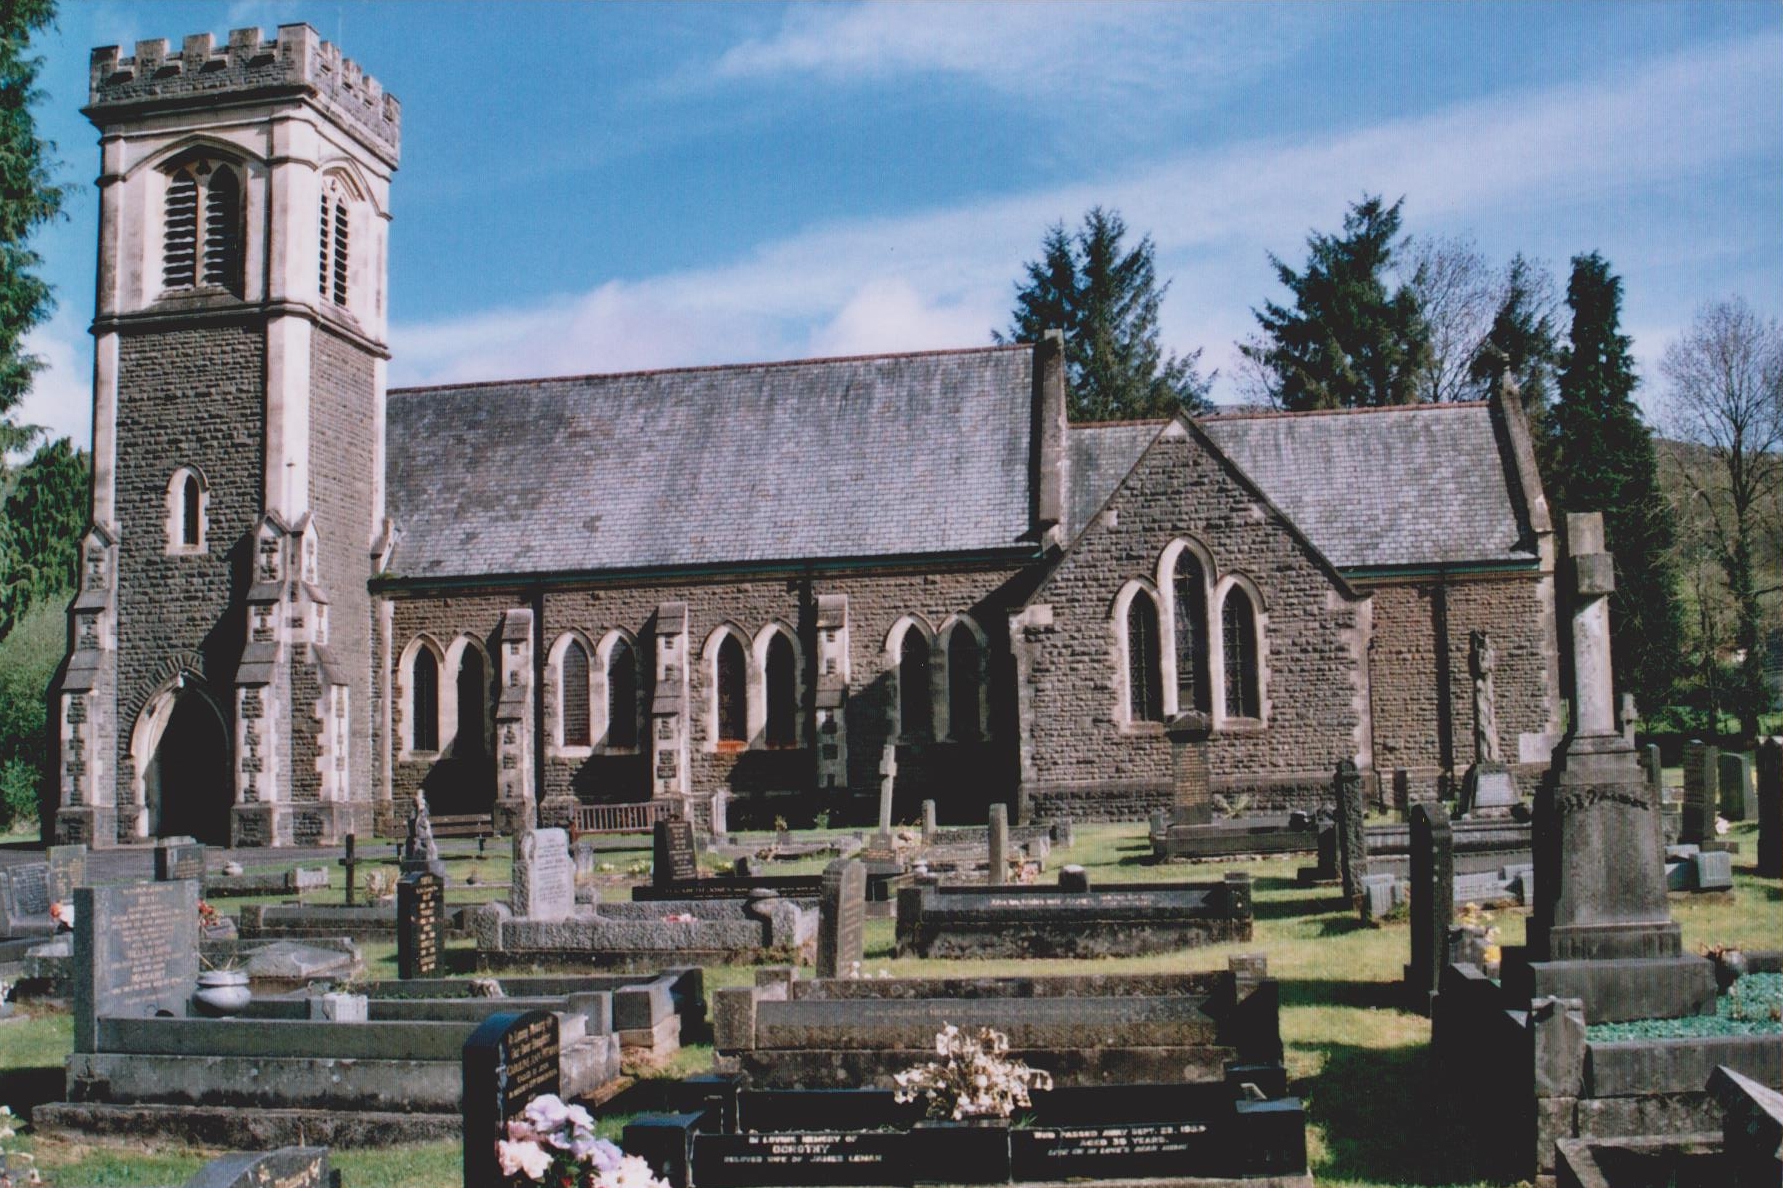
(975, 1077)
(554, 1144)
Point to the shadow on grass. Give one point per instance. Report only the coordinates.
(1384, 1121)
(24, 1089)
(1327, 992)
(1342, 926)
(1295, 908)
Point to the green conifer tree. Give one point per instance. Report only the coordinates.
(41, 528)
(1604, 461)
(1105, 298)
(1348, 342)
(27, 200)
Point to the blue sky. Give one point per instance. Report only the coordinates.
(604, 187)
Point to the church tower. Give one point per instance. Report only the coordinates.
(219, 680)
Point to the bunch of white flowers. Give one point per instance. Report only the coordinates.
(975, 1077)
(554, 1143)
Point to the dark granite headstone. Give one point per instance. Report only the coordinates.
(135, 952)
(675, 858)
(1433, 901)
(179, 858)
(841, 918)
(29, 890)
(287, 1167)
(1702, 780)
(1352, 839)
(420, 905)
(997, 872)
(1736, 787)
(1652, 766)
(1770, 808)
(510, 1060)
(1073, 877)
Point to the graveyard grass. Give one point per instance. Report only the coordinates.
(1353, 1053)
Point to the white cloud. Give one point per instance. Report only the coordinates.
(1562, 161)
(61, 395)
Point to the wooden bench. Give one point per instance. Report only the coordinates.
(465, 825)
(623, 818)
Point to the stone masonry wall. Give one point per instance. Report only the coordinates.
(1085, 762)
(1421, 627)
(185, 397)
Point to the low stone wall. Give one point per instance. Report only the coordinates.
(631, 936)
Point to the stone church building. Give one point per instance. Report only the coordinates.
(734, 592)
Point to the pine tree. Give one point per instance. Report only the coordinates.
(1106, 299)
(27, 200)
(1521, 341)
(1604, 461)
(41, 529)
(1348, 342)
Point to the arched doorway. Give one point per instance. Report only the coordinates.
(187, 786)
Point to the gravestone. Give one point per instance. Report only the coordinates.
(674, 858)
(841, 918)
(544, 878)
(510, 1060)
(1602, 929)
(179, 858)
(287, 1167)
(1433, 902)
(881, 853)
(350, 860)
(1402, 792)
(1652, 766)
(1072, 877)
(1702, 795)
(929, 824)
(1770, 808)
(420, 905)
(1630, 715)
(1737, 802)
(997, 872)
(1488, 790)
(1714, 870)
(68, 870)
(419, 851)
(1380, 895)
(135, 952)
(1352, 840)
(25, 898)
(1190, 784)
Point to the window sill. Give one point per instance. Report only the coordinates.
(1144, 729)
(418, 757)
(186, 550)
(577, 752)
(1241, 726)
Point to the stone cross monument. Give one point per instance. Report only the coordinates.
(1602, 930)
(1488, 789)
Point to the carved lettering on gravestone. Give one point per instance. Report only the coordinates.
(1125, 1151)
(179, 860)
(135, 952)
(1702, 779)
(674, 858)
(544, 877)
(420, 903)
(29, 890)
(841, 918)
(510, 1060)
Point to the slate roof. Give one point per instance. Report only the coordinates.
(1100, 457)
(1416, 486)
(829, 458)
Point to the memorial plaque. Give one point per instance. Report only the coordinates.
(841, 918)
(1122, 1151)
(420, 903)
(544, 878)
(675, 858)
(784, 1159)
(135, 952)
(179, 860)
(511, 1059)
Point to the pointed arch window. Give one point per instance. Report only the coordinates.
(916, 716)
(471, 709)
(336, 229)
(201, 227)
(622, 696)
(782, 678)
(964, 684)
(573, 683)
(191, 518)
(1192, 660)
(424, 702)
(732, 680)
(1238, 624)
(1145, 677)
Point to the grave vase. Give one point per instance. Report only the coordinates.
(222, 992)
(970, 1151)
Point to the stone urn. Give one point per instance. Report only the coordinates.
(222, 992)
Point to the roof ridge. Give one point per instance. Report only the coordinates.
(1278, 414)
(1128, 423)
(707, 367)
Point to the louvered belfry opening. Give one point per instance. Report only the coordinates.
(179, 245)
(201, 235)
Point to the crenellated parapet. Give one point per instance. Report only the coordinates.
(296, 61)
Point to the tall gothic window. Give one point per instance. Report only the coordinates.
(424, 702)
(916, 714)
(1145, 675)
(732, 691)
(622, 696)
(783, 693)
(470, 703)
(335, 229)
(191, 526)
(201, 230)
(1239, 626)
(573, 681)
(963, 679)
(1191, 636)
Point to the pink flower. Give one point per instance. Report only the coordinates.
(522, 1158)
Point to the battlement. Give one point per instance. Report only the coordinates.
(297, 58)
